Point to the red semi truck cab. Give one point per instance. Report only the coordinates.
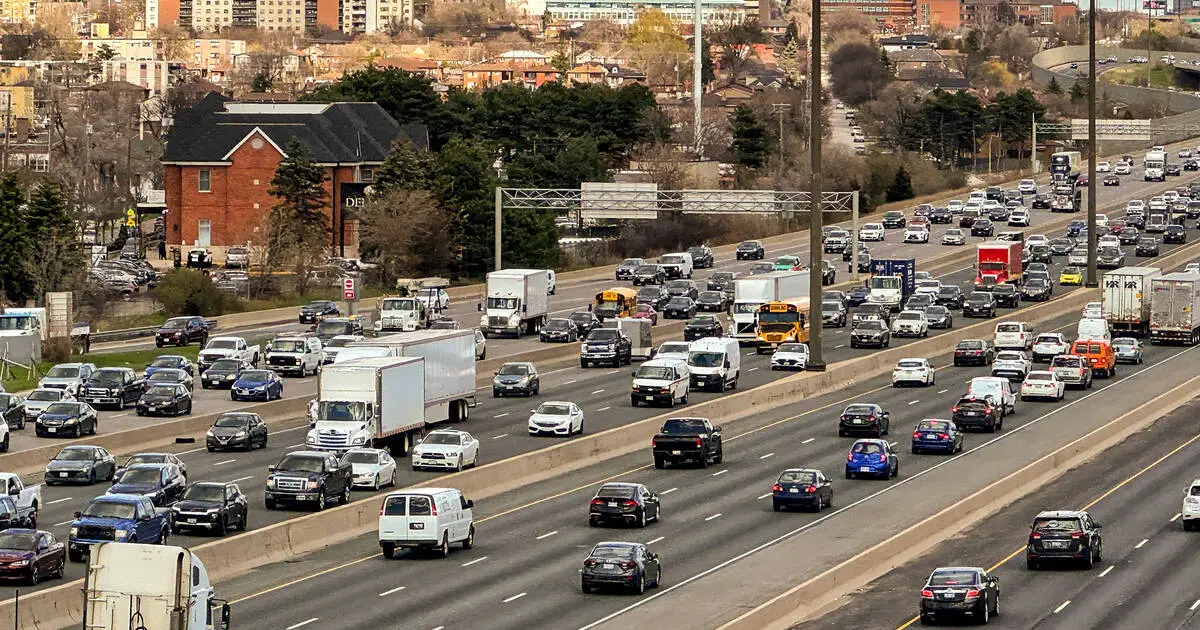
(998, 262)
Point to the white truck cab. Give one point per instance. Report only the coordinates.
(426, 518)
(715, 363)
(663, 381)
(170, 588)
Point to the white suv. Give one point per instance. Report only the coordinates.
(910, 324)
(1191, 506)
(1027, 186)
(1013, 335)
(1049, 345)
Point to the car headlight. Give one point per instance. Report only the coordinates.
(122, 533)
(360, 440)
(70, 420)
(514, 319)
(19, 563)
(310, 439)
(310, 485)
(210, 433)
(74, 531)
(270, 483)
(483, 320)
(239, 434)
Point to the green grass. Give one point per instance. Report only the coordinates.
(1161, 76)
(136, 359)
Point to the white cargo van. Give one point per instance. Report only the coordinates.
(715, 363)
(677, 265)
(1093, 329)
(994, 387)
(660, 381)
(426, 518)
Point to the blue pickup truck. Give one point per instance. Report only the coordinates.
(117, 518)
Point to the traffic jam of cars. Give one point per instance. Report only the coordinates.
(361, 427)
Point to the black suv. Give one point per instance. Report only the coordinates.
(702, 256)
(584, 322)
(1006, 295)
(979, 304)
(893, 219)
(308, 477)
(950, 296)
(751, 250)
(1063, 535)
(181, 331)
(1040, 201)
(977, 413)
(211, 506)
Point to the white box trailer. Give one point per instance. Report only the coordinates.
(1175, 308)
(751, 292)
(1125, 299)
(517, 302)
(376, 402)
(150, 586)
(449, 368)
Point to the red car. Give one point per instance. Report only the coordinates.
(646, 311)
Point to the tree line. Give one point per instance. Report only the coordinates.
(40, 248)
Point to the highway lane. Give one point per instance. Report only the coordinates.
(577, 297)
(530, 542)
(1144, 581)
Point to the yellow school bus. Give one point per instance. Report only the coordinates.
(782, 322)
(615, 302)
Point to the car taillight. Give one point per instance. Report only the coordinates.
(810, 489)
(699, 443)
(973, 592)
(954, 409)
(597, 502)
(776, 488)
(433, 511)
(987, 410)
(1036, 536)
(926, 593)
(629, 503)
(916, 436)
(1077, 535)
(883, 457)
(850, 457)
(944, 436)
(382, 506)
(653, 443)
(589, 563)
(626, 564)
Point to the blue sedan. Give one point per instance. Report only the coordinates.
(170, 362)
(257, 385)
(940, 436)
(872, 458)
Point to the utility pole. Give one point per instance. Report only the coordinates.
(697, 75)
(779, 109)
(1033, 169)
(1090, 280)
(816, 208)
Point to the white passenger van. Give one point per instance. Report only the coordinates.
(426, 518)
(715, 363)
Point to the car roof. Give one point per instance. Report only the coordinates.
(148, 466)
(420, 491)
(444, 431)
(618, 543)
(118, 497)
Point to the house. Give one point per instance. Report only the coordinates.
(945, 83)
(482, 76)
(588, 73)
(619, 76)
(427, 68)
(221, 154)
(730, 95)
(911, 63)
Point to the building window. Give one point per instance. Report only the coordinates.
(366, 175)
(204, 233)
(205, 180)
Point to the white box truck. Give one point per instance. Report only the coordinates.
(377, 403)
(150, 586)
(751, 292)
(1175, 308)
(1155, 163)
(517, 302)
(1125, 299)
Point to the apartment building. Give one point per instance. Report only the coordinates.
(624, 12)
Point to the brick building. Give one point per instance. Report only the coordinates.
(221, 155)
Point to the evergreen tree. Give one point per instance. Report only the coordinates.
(1077, 91)
(749, 138)
(901, 187)
(299, 225)
(404, 168)
(54, 260)
(261, 83)
(1053, 87)
(14, 239)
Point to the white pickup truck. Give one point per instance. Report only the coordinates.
(27, 498)
(228, 348)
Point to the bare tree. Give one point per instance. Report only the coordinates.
(409, 233)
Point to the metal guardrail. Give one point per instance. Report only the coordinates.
(135, 333)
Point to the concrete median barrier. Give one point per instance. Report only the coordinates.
(821, 592)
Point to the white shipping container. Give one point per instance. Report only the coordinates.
(449, 368)
(753, 291)
(1175, 307)
(1125, 297)
(395, 385)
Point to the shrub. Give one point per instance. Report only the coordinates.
(189, 292)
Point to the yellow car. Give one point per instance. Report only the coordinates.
(1071, 276)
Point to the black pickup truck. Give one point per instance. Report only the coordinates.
(308, 477)
(688, 439)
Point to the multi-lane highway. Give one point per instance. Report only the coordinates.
(1146, 578)
(577, 296)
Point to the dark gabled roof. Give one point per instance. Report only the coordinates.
(907, 39)
(332, 132)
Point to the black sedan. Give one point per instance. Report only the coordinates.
(654, 296)
(703, 326)
(31, 554)
(893, 219)
(626, 503)
(1173, 170)
(712, 301)
(80, 464)
(625, 565)
(172, 400)
(1036, 290)
(163, 484)
(1129, 236)
(317, 309)
(950, 296)
(1111, 180)
(1191, 165)
(863, 251)
(960, 592)
(1110, 258)
(720, 281)
(236, 429)
(210, 506)
(1062, 245)
(1175, 234)
(1146, 248)
(686, 288)
(939, 316)
(864, 418)
(941, 215)
(222, 373)
(857, 296)
(649, 274)
(978, 413)
(680, 307)
(973, 352)
(1041, 201)
(983, 227)
(761, 268)
(1133, 220)
(802, 487)
(558, 329)
(702, 256)
(585, 321)
(750, 250)
(170, 376)
(979, 304)
(1040, 253)
(66, 419)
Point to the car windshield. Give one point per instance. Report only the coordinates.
(703, 320)
(316, 305)
(48, 395)
(224, 365)
(933, 425)
(366, 457)
(793, 347)
(514, 369)
(1008, 328)
(953, 577)
(1040, 376)
(140, 475)
(301, 463)
(602, 334)
(205, 492)
(631, 262)
(75, 455)
(442, 438)
(581, 318)
(65, 408)
(553, 409)
(233, 421)
(59, 371)
(859, 410)
(706, 359)
(980, 297)
(1057, 525)
(867, 448)
(679, 302)
(1064, 361)
(910, 364)
(19, 542)
(288, 345)
(161, 390)
(948, 291)
(169, 375)
(255, 376)
(1124, 342)
(748, 245)
(711, 296)
(831, 307)
(683, 426)
(655, 372)
(109, 509)
(106, 376)
(870, 324)
(558, 324)
(679, 285)
(1048, 339)
(615, 552)
(175, 324)
(648, 269)
(674, 348)
(145, 459)
(908, 315)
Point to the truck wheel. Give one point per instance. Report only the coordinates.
(469, 541)
(583, 363)
(269, 504)
(720, 455)
(389, 551)
(321, 501)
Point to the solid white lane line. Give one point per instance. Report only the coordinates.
(943, 391)
(752, 369)
(720, 472)
(1139, 545)
(497, 437)
(190, 451)
(767, 455)
(668, 491)
(840, 345)
(1176, 517)
(59, 500)
(651, 542)
(515, 597)
(303, 426)
(301, 624)
(295, 446)
(243, 478)
(763, 496)
(547, 535)
(500, 415)
(808, 440)
(1061, 606)
(598, 391)
(717, 515)
(570, 381)
(475, 561)
(395, 590)
(613, 372)
(1107, 570)
(603, 409)
(228, 461)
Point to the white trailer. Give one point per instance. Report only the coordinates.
(1175, 308)
(377, 402)
(517, 302)
(751, 292)
(130, 585)
(1125, 299)
(449, 368)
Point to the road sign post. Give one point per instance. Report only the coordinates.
(350, 294)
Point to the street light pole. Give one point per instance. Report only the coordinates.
(1091, 280)
(697, 77)
(816, 208)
